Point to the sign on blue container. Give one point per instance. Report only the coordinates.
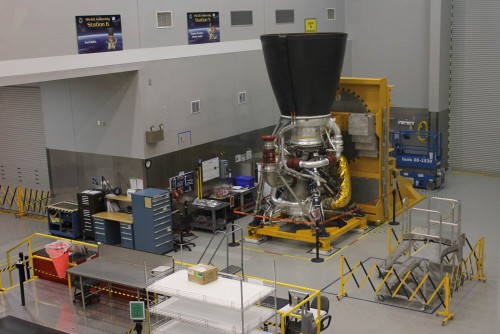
(99, 33)
(203, 27)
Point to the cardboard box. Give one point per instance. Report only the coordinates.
(202, 274)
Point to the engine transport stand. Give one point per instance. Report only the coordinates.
(256, 234)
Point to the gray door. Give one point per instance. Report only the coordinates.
(474, 142)
(23, 155)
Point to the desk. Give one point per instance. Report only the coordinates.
(124, 267)
(114, 227)
(213, 224)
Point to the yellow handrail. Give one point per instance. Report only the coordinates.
(28, 240)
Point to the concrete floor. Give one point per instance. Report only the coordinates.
(476, 306)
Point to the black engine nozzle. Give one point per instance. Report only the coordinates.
(304, 70)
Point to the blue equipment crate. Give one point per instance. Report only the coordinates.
(244, 181)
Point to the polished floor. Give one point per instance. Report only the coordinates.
(476, 306)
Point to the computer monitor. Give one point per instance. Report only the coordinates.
(296, 297)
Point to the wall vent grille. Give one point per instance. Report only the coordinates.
(164, 20)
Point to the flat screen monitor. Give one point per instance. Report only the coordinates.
(296, 297)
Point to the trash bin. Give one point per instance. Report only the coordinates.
(59, 253)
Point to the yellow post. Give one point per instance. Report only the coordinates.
(342, 292)
(20, 201)
(30, 252)
(1, 284)
(446, 312)
(480, 267)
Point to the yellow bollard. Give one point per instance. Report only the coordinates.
(342, 292)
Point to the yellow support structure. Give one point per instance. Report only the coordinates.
(373, 95)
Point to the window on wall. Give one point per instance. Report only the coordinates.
(242, 18)
(330, 13)
(285, 16)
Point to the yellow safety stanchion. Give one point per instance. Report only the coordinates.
(446, 312)
(342, 292)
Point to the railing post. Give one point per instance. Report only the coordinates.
(20, 267)
(389, 231)
(342, 291)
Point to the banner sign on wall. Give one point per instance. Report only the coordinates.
(203, 27)
(101, 33)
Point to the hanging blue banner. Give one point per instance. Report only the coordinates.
(203, 27)
(99, 33)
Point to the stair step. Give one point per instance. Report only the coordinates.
(231, 270)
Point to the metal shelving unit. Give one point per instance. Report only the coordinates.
(227, 305)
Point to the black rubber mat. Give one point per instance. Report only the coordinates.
(13, 325)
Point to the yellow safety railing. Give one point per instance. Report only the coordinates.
(7, 196)
(471, 267)
(390, 234)
(475, 257)
(23, 201)
(29, 243)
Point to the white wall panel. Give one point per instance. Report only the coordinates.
(23, 156)
(475, 87)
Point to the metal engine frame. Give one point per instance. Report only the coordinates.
(305, 154)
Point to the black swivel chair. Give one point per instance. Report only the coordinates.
(294, 327)
(325, 306)
(182, 228)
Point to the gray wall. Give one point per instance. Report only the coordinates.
(33, 28)
(73, 107)
(215, 81)
(390, 38)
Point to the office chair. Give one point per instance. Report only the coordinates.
(325, 306)
(182, 227)
(294, 327)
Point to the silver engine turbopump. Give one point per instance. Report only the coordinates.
(300, 170)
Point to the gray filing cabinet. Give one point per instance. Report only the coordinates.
(152, 221)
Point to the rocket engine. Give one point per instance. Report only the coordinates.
(302, 160)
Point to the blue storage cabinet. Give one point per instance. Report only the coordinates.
(106, 231)
(127, 235)
(152, 221)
